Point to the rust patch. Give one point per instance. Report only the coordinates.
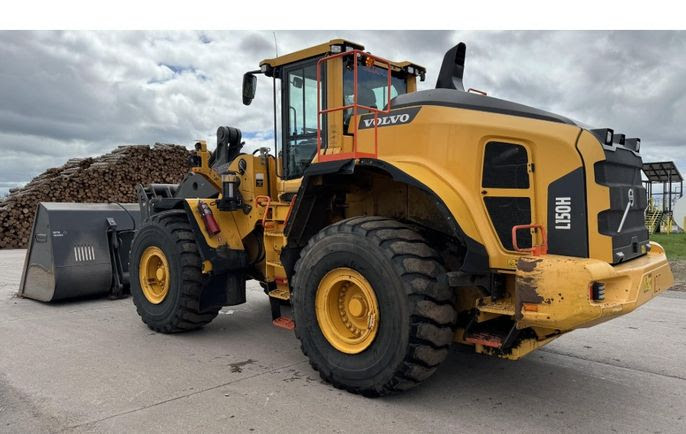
(526, 291)
(527, 264)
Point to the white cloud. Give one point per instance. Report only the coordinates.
(67, 94)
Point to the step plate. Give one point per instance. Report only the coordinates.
(284, 322)
(280, 293)
(485, 339)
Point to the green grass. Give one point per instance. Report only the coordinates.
(674, 244)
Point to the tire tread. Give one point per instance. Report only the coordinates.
(432, 303)
(187, 316)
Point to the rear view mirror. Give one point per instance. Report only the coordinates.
(249, 87)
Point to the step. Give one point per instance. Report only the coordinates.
(498, 308)
(280, 293)
(275, 265)
(485, 339)
(284, 322)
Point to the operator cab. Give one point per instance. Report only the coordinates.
(305, 112)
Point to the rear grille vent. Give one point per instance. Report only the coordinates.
(84, 253)
(624, 221)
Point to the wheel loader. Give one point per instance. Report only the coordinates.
(398, 221)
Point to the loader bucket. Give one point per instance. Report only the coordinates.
(78, 250)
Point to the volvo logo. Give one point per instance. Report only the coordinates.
(387, 120)
(395, 117)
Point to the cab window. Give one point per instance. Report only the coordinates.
(300, 110)
(372, 84)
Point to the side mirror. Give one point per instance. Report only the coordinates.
(249, 87)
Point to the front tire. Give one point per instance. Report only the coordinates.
(412, 331)
(166, 275)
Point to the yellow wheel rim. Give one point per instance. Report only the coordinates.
(347, 310)
(154, 274)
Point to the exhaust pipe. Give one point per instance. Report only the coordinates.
(452, 68)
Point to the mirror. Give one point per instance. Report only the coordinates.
(249, 86)
(298, 82)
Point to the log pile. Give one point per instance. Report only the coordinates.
(109, 178)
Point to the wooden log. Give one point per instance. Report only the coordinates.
(110, 177)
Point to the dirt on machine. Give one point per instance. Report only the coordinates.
(396, 222)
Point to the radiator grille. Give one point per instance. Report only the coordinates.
(624, 221)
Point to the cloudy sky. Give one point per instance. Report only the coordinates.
(75, 94)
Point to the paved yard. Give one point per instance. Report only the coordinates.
(93, 366)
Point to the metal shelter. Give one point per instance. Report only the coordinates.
(661, 202)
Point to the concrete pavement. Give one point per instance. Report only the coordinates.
(93, 366)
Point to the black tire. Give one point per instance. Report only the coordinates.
(179, 311)
(416, 311)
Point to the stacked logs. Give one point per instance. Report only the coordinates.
(109, 178)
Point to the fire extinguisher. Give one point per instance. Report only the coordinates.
(210, 223)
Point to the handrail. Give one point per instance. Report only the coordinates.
(259, 202)
(535, 250)
(369, 59)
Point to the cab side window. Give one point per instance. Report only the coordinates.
(300, 110)
(372, 89)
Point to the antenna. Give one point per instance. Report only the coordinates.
(276, 47)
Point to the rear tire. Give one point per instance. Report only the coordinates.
(178, 310)
(416, 314)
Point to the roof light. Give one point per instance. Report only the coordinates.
(263, 68)
(335, 49)
(633, 143)
(410, 70)
(619, 139)
(604, 135)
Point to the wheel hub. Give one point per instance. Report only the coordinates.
(153, 274)
(347, 310)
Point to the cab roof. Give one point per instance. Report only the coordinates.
(325, 49)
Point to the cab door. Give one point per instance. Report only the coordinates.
(299, 114)
(507, 189)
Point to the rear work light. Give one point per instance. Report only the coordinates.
(633, 144)
(604, 135)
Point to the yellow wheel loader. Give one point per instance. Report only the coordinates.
(397, 222)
